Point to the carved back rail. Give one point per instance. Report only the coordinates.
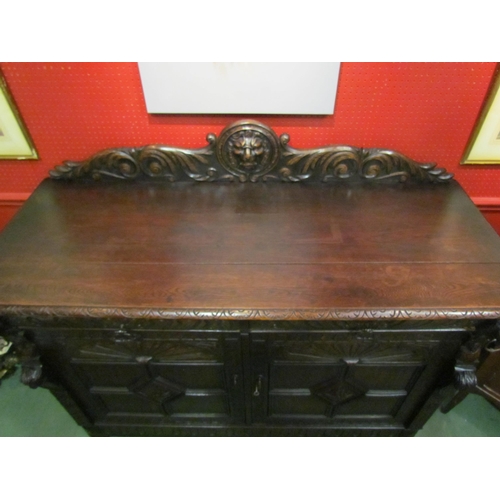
(250, 151)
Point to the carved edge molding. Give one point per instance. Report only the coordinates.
(250, 151)
(246, 314)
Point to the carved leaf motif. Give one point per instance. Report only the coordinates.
(258, 314)
(345, 162)
(146, 162)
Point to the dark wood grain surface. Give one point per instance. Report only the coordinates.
(220, 247)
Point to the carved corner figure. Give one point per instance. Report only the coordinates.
(477, 370)
(16, 350)
(251, 151)
(7, 360)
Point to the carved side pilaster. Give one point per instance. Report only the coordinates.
(472, 355)
(31, 366)
(7, 359)
(19, 351)
(466, 365)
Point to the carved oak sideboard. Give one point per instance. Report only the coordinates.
(249, 288)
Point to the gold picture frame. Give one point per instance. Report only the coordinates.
(483, 147)
(15, 141)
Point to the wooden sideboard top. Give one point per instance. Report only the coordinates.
(250, 250)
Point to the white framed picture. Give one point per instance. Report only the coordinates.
(240, 88)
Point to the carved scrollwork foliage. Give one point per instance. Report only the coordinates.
(251, 151)
(147, 162)
(337, 163)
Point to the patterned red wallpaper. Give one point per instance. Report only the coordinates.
(424, 110)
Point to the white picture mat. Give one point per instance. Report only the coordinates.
(12, 140)
(240, 88)
(486, 147)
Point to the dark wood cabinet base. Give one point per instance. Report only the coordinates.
(257, 378)
(249, 288)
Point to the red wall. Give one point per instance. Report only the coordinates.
(424, 110)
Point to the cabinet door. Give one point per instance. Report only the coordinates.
(148, 377)
(346, 379)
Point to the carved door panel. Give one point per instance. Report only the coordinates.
(346, 379)
(149, 377)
